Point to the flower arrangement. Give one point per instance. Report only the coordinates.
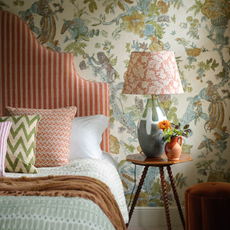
(171, 130)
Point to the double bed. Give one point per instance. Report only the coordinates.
(37, 83)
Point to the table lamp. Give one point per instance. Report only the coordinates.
(152, 73)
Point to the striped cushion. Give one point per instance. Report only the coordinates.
(53, 134)
(4, 132)
(20, 154)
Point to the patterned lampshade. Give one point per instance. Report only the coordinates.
(152, 73)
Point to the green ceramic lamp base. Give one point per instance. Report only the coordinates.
(148, 127)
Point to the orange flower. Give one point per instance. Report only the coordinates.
(164, 125)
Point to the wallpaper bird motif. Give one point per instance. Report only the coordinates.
(101, 34)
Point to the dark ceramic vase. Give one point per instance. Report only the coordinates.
(148, 127)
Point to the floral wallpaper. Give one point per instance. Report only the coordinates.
(101, 34)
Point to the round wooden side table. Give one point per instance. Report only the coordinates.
(160, 162)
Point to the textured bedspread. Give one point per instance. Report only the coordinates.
(67, 186)
(59, 212)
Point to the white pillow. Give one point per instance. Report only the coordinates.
(86, 136)
(107, 157)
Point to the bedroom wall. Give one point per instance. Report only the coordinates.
(101, 34)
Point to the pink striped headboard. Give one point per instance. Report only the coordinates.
(32, 76)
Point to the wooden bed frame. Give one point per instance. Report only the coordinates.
(32, 76)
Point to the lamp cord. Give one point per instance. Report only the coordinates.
(133, 186)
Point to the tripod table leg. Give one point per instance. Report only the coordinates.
(176, 196)
(137, 193)
(165, 198)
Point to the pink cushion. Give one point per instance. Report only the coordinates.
(53, 134)
(4, 132)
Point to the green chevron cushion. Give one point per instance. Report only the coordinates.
(20, 153)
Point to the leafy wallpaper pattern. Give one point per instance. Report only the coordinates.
(101, 34)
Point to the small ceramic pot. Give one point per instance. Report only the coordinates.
(173, 148)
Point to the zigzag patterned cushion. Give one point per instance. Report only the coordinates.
(53, 134)
(20, 153)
